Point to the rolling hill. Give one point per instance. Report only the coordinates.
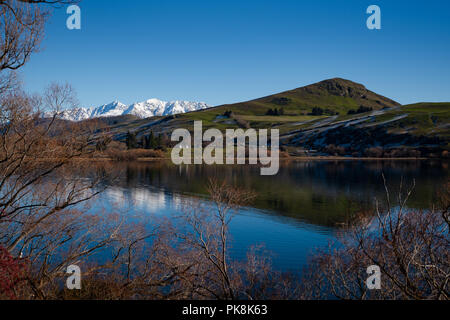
(336, 94)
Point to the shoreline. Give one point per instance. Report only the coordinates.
(316, 158)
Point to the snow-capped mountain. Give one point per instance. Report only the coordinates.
(145, 109)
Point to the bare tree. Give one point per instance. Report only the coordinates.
(410, 247)
(22, 24)
(208, 236)
(22, 27)
(42, 184)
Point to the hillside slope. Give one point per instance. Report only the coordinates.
(319, 117)
(336, 94)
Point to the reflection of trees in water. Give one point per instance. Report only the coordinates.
(320, 192)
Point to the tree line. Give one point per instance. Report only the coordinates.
(150, 141)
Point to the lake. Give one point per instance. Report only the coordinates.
(300, 209)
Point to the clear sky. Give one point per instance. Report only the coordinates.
(224, 51)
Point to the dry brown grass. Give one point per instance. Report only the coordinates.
(134, 154)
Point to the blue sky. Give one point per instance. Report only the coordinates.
(224, 51)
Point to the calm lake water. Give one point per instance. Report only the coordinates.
(296, 211)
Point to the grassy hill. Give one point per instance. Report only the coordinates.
(336, 94)
(333, 96)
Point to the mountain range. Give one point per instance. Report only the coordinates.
(145, 109)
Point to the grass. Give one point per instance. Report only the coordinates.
(285, 118)
(422, 119)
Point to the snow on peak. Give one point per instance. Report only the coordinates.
(149, 108)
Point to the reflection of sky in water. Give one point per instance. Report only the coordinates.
(289, 240)
(142, 199)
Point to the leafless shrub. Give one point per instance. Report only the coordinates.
(402, 153)
(411, 247)
(189, 259)
(376, 152)
(331, 149)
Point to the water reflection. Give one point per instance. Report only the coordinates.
(141, 199)
(295, 212)
(318, 192)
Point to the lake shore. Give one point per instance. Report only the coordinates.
(292, 158)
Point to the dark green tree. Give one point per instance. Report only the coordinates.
(153, 143)
(317, 111)
(146, 142)
(131, 140)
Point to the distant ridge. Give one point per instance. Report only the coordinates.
(145, 109)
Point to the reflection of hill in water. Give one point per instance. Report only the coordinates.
(319, 192)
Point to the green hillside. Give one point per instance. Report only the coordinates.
(333, 96)
(335, 111)
(336, 94)
(422, 119)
